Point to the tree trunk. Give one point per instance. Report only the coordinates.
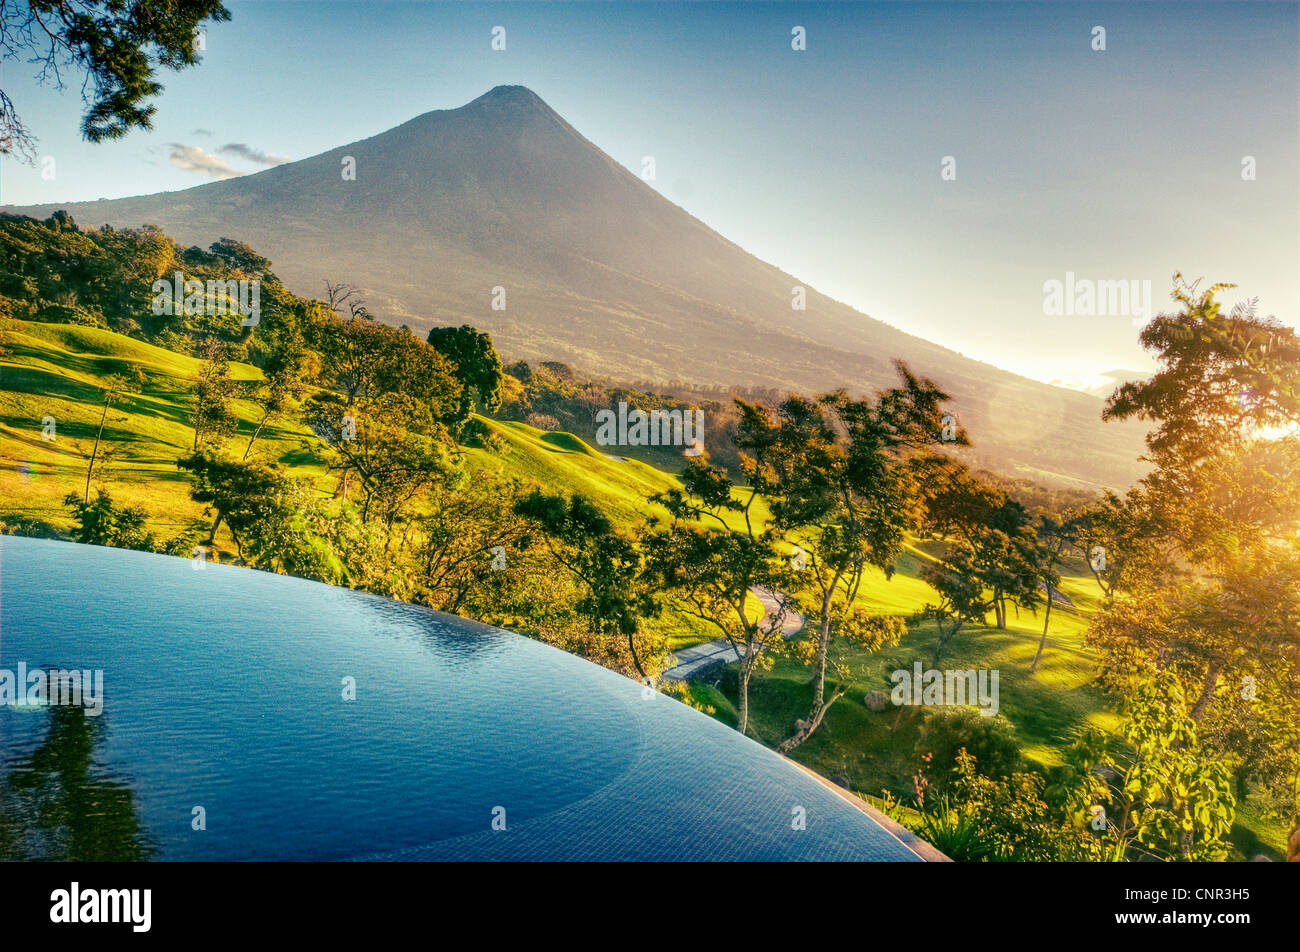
(94, 453)
(212, 534)
(742, 705)
(804, 728)
(942, 639)
(823, 644)
(1043, 641)
(1207, 691)
(636, 659)
(256, 433)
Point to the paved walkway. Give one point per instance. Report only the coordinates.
(690, 662)
(1058, 596)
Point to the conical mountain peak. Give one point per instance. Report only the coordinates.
(511, 95)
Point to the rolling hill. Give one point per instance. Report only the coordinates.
(599, 270)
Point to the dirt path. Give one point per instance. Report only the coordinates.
(692, 661)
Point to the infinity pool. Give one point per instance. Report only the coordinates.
(224, 708)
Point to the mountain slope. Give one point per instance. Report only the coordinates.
(599, 270)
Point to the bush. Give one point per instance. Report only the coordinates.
(475, 433)
(543, 421)
(100, 522)
(957, 835)
(946, 731)
(22, 525)
(1001, 820)
(53, 313)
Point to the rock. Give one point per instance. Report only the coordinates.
(876, 701)
(1106, 772)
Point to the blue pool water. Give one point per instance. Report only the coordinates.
(223, 690)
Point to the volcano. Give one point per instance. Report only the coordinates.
(503, 201)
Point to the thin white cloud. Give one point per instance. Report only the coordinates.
(245, 151)
(193, 159)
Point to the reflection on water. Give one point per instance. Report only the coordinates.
(57, 805)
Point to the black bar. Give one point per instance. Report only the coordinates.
(330, 901)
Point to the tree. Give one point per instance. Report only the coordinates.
(993, 530)
(1107, 534)
(585, 543)
(710, 557)
(1224, 380)
(388, 422)
(840, 478)
(240, 258)
(118, 47)
(1008, 554)
(339, 296)
(354, 355)
(1054, 536)
(285, 373)
(476, 364)
(1173, 800)
(271, 516)
(83, 814)
(115, 386)
(1207, 544)
(101, 522)
(1220, 498)
(963, 597)
(283, 382)
(213, 416)
(592, 399)
(471, 538)
(990, 557)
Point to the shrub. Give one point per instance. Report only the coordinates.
(100, 522)
(990, 740)
(475, 433)
(54, 313)
(543, 421)
(989, 820)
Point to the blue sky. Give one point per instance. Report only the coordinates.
(1122, 164)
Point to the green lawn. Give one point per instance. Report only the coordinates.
(57, 370)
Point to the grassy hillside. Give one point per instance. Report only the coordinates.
(58, 371)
